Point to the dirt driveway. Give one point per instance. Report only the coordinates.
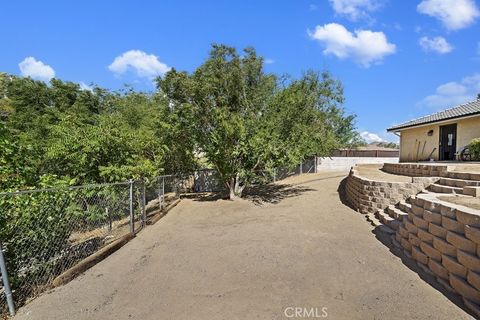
(244, 260)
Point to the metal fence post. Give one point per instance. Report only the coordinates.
(6, 283)
(301, 167)
(176, 185)
(144, 212)
(161, 194)
(107, 212)
(275, 175)
(132, 217)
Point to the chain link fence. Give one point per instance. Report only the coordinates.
(161, 191)
(45, 232)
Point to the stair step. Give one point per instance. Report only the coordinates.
(464, 175)
(386, 229)
(396, 213)
(426, 191)
(404, 206)
(459, 183)
(394, 224)
(438, 188)
(387, 220)
(373, 220)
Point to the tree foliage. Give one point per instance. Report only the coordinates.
(244, 120)
(229, 114)
(87, 136)
(240, 119)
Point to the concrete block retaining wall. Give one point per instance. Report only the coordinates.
(444, 239)
(416, 170)
(425, 170)
(369, 196)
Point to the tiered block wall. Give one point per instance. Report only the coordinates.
(369, 196)
(444, 239)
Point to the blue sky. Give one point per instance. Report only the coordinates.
(397, 59)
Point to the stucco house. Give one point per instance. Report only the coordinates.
(439, 136)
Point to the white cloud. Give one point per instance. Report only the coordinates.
(437, 44)
(85, 86)
(145, 65)
(36, 69)
(453, 93)
(355, 9)
(363, 46)
(454, 14)
(370, 137)
(269, 61)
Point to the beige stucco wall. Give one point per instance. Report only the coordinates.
(415, 144)
(415, 141)
(467, 130)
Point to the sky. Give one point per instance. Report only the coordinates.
(397, 60)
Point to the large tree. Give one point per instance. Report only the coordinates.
(244, 121)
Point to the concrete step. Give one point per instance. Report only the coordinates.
(373, 220)
(438, 188)
(404, 206)
(390, 222)
(426, 191)
(464, 175)
(459, 183)
(396, 213)
(386, 229)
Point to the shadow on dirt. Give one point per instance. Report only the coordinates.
(276, 192)
(273, 193)
(270, 193)
(206, 196)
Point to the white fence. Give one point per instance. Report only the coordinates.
(343, 163)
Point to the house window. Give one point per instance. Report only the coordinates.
(450, 139)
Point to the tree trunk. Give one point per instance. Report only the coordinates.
(235, 188)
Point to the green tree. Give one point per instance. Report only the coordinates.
(245, 122)
(14, 171)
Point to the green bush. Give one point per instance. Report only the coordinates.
(36, 231)
(474, 148)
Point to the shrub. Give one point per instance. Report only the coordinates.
(474, 148)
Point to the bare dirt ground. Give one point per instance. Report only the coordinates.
(287, 245)
(469, 202)
(374, 172)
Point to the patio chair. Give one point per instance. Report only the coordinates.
(464, 154)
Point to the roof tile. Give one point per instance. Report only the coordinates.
(462, 110)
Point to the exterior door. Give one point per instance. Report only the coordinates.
(448, 142)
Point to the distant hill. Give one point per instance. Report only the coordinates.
(380, 146)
